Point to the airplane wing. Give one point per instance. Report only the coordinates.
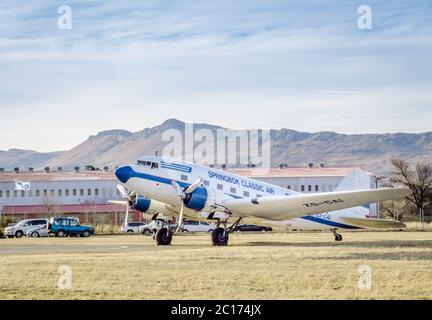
(293, 206)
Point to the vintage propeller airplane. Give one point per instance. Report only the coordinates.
(163, 188)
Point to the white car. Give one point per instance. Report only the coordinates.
(197, 226)
(37, 232)
(146, 229)
(131, 227)
(21, 228)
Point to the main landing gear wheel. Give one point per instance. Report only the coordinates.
(163, 237)
(338, 237)
(219, 237)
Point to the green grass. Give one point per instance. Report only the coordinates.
(254, 266)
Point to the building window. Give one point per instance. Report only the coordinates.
(309, 188)
(22, 193)
(89, 192)
(45, 193)
(7, 193)
(81, 192)
(15, 193)
(302, 188)
(74, 192)
(1, 193)
(52, 192)
(67, 192)
(316, 188)
(219, 186)
(59, 192)
(233, 190)
(96, 192)
(289, 187)
(37, 193)
(246, 194)
(183, 177)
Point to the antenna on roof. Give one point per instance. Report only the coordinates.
(156, 153)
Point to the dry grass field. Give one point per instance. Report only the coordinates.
(254, 266)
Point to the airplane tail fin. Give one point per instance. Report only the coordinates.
(356, 180)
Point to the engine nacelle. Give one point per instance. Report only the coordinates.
(198, 200)
(141, 204)
(149, 207)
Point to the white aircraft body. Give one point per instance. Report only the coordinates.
(163, 188)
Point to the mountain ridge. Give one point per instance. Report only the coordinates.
(371, 151)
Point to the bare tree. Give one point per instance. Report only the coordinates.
(418, 180)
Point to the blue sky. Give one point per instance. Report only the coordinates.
(241, 64)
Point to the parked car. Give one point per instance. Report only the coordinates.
(38, 232)
(63, 226)
(131, 227)
(252, 227)
(197, 226)
(18, 230)
(146, 229)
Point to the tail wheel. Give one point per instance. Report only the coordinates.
(60, 234)
(338, 237)
(163, 237)
(219, 237)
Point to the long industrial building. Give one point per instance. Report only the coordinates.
(86, 193)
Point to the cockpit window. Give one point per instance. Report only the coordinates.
(152, 165)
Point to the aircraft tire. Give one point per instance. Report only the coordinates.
(219, 237)
(163, 237)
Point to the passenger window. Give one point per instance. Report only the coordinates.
(183, 177)
(220, 187)
(206, 183)
(65, 222)
(259, 195)
(73, 223)
(233, 190)
(246, 194)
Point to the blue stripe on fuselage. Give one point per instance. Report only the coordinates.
(329, 223)
(134, 174)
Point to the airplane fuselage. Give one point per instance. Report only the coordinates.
(152, 177)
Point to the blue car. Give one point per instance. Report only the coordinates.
(62, 227)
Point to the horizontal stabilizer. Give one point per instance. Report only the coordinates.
(373, 223)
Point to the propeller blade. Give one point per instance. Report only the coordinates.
(123, 191)
(177, 187)
(181, 217)
(194, 185)
(120, 202)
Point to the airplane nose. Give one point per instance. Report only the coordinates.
(123, 173)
